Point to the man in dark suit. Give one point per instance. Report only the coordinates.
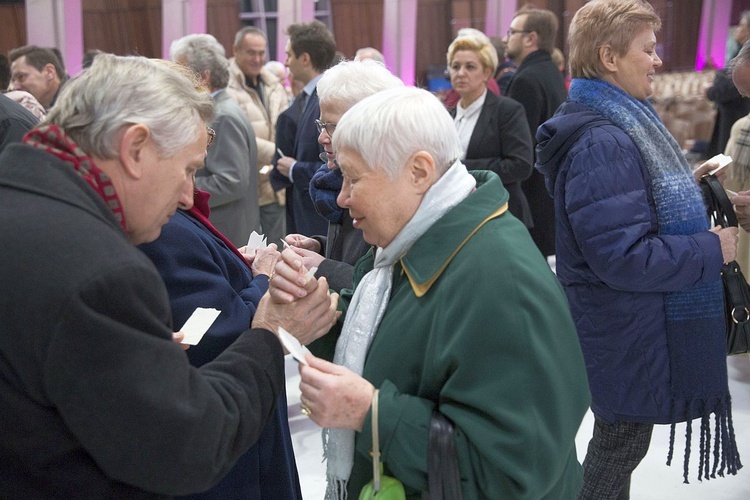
(730, 104)
(309, 52)
(540, 87)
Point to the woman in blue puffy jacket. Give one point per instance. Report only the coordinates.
(635, 254)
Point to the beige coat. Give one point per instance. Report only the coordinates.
(263, 119)
(739, 180)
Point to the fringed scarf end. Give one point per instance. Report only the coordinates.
(725, 455)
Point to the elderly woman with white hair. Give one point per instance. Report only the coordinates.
(436, 322)
(335, 254)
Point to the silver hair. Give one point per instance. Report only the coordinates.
(349, 82)
(387, 128)
(369, 53)
(119, 91)
(277, 68)
(203, 52)
(248, 30)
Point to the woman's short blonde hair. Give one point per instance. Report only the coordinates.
(606, 22)
(481, 45)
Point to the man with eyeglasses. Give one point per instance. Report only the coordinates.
(262, 97)
(540, 87)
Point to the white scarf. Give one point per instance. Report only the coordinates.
(368, 306)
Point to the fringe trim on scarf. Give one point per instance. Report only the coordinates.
(726, 456)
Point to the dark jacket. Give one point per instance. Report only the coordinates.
(199, 270)
(501, 142)
(730, 107)
(15, 121)
(540, 87)
(614, 265)
(97, 400)
(342, 247)
(301, 215)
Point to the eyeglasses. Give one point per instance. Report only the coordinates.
(328, 126)
(211, 136)
(512, 32)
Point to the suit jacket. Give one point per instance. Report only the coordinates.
(501, 142)
(301, 215)
(540, 87)
(230, 173)
(730, 107)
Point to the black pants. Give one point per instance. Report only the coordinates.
(614, 452)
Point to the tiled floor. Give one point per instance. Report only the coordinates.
(652, 480)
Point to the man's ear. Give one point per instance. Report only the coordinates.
(305, 59)
(608, 58)
(532, 39)
(133, 149)
(422, 173)
(49, 71)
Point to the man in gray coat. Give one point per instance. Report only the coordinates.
(230, 176)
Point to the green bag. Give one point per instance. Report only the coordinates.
(381, 487)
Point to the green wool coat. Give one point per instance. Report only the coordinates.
(478, 327)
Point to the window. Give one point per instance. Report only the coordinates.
(264, 14)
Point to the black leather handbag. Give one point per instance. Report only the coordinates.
(444, 480)
(736, 290)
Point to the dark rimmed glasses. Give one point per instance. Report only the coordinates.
(328, 126)
(512, 32)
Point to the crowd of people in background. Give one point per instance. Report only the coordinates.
(507, 256)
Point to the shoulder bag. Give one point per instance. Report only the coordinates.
(736, 290)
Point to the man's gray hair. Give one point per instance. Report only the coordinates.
(387, 128)
(159, 94)
(369, 53)
(203, 52)
(248, 30)
(349, 82)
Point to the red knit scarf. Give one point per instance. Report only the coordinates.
(55, 141)
(201, 211)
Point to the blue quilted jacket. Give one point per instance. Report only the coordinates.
(613, 264)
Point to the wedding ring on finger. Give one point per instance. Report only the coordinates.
(306, 411)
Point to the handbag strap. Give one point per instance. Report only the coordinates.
(720, 208)
(375, 444)
(443, 477)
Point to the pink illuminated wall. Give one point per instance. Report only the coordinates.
(57, 23)
(400, 38)
(712, 37)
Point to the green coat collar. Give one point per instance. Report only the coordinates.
(431, 254)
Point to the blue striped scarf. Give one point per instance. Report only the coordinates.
(696, 330)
